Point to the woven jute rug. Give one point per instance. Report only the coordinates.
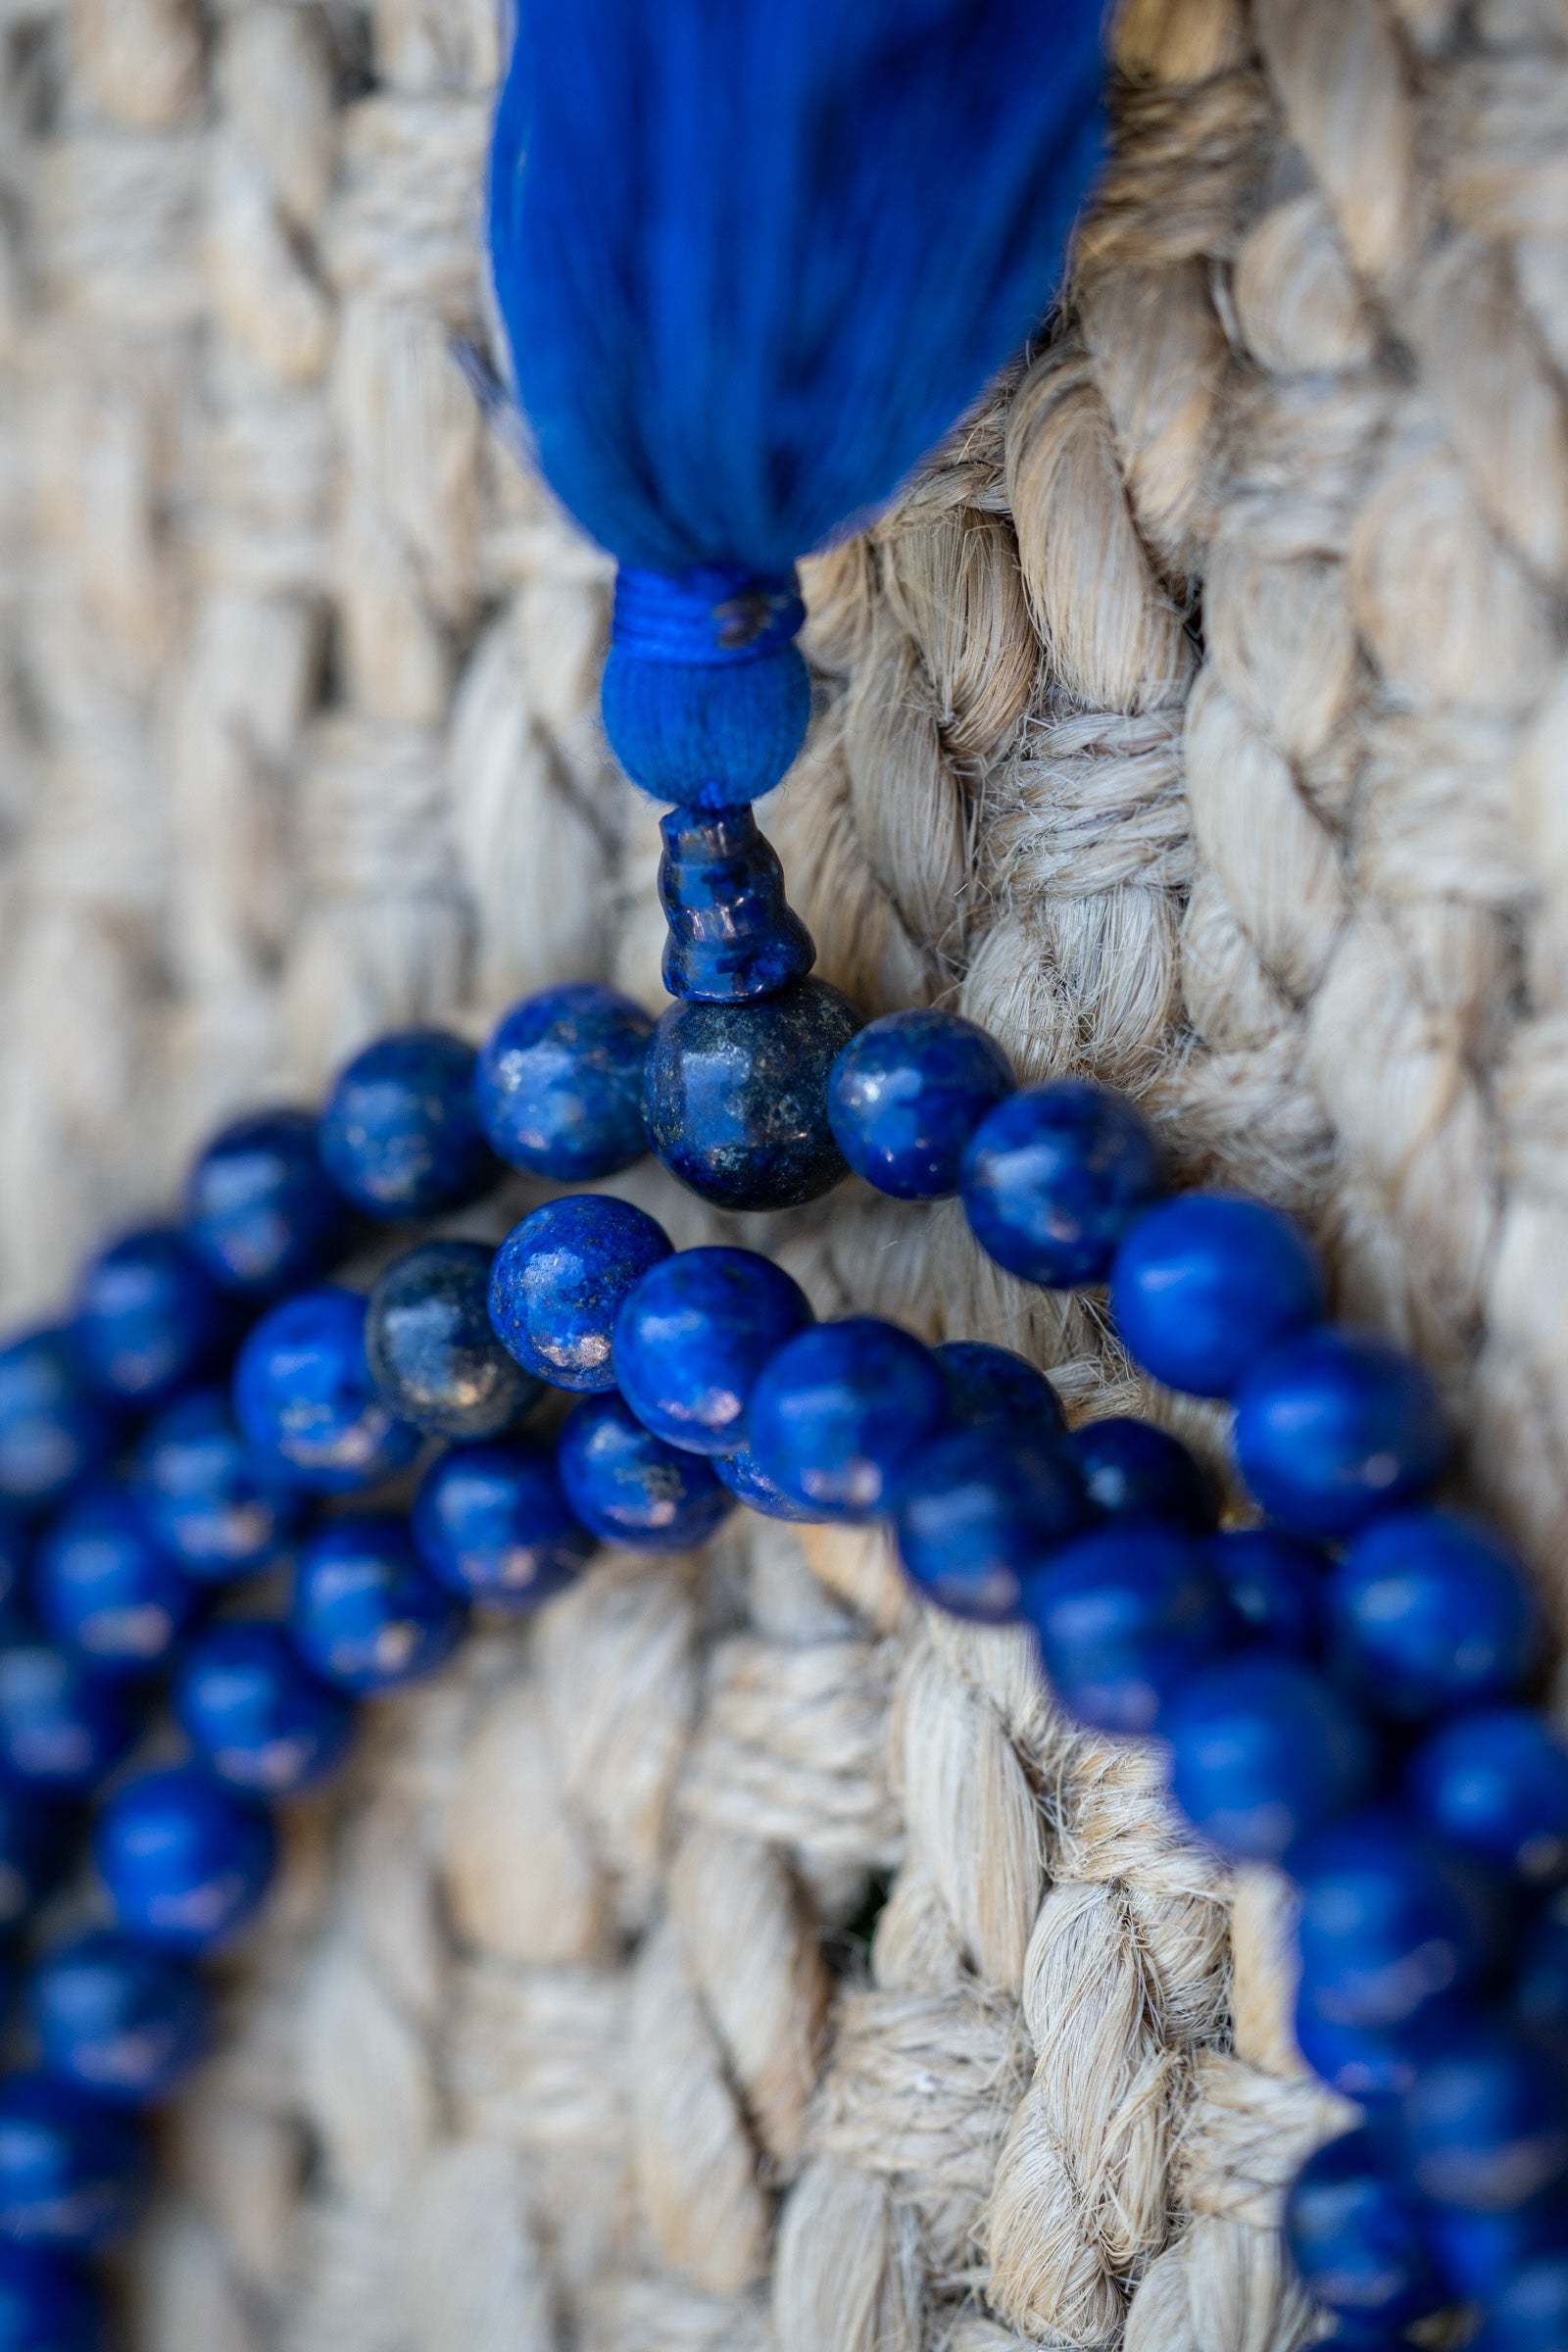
(738, 1956)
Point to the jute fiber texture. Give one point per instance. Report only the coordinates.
(741, 1957)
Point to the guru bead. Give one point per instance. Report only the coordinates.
(305, 1397)
(494, 1524)
(1262, 1751)
(432, 1349)
(732, 933)
(1391, 1923)
(559, 1280)
(262, 1213)
(1053, 1178)
(842, 1411)
(1430, 1611)
(366, 1613)
(61, 1727)
(559, 1083)
(71, 2168)
(1333, 1426)
(1205, 1283)
(255, 1714)
(400, 1134)
(692, 1337)
(106, 1588)
(211, 1503)
(907, 1093)
(1276, 1583)
(991, 1388)
(46, 2305)
(628, 1486)
(120, 2020)
(1132, 1470)
(1496, 1783)
(147, 1317)
(185, 1863)
(53, 1430)
(1355, 2234)
(1486, 2118)
(978, 1510)
(1123, 1615)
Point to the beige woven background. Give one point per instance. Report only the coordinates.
(1201, 718)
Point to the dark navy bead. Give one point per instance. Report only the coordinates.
(558, 1082)
(741, 1476)
(494, 1524)
(37, 1843)
(1355, 2234)
(736, 1096)
(1053, 1178)
(906, 1094)
(1496, 1783)
(306, 1401)
(1541, 1986)
(628, 1486)
(991, 1388)
(255, 1714)
(1391, 1922)
(432, 1349)
(1124, 1615)
(1529, 2312)
(185, 1863)
(1373, 2065)
(978, 1511)
(120, 2021)
(1335, 1425)
(1262, 1751)
(1276, 1583)
(213, 1504)
(71, 2168)
(1132, 1470)
(1205, 1283)
(53, 1430)
(61, 1727)
(732, 933)
(106, 1588)
(400, 1134)
(1429, 1611)
(692, 1337)
(262, 1213)
(46, 2305)
(366, 1612)
(843, 1411)
(147, 1317)
(559, 1281)
(1477, 2253)
(1486, 2119)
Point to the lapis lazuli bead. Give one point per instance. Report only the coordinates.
(991, 1387)
(400, 1135)
(147, 1318)
(1478, 2254)
(208, 1499)
(978, 1511)
(741, 1476)
(1355, 2234)
(1496, 1783)
(1204, 1284)
(906, 1094)
(187, 1863)
(1132, 1470)
(558, 1082)
(1262, 1751)
(53, 1430)
(71, 2168)
(735, 1095)
(1277, 1583)
(366, 1613)
(1486, 2118)
(62, 1725)
(306, 1401)
(628, 1486)
(106, 1588)
(732, 933)
(119, 2018)
(1529, 2312)
(1335, 1425)
(262, 1213)
(692, 1337)
(494, 1524)
(1054, 1178)
(1391, 1923)
(254, 1713)
(559, 1280)
(37, 1841)
(842, 1412)
(432, 1351)
(1124, 1615)
(1430, 1611)
(46, 2305)
(1373, 2065)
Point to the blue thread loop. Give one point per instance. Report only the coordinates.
(706, 697)
(712, 612)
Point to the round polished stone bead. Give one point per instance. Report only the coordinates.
(53, 1430)
(254, 1713)
(186, 1862)
(1429, 1612)
(306, 1401)
(1333, 1426)
(262, 1213)
(692, 1337)
(732, 933)
(991, 1388)
(1529, 2311)
(208, 1499)
(400, 1135)
(71, 2168)
(1207, 1283)
(1355, 2234)
(741, 1476)
(1132, 1470)
(559, 1083)
(1476, 2254)
(147, 1318)
(561, 1278)
(1496, 1783)
(1391, 1923)
(494, 1524)
(628, 1486)
(46, 2305)
(105, 1589)
(1373, 2065)
(1262, 1751)
(1276, 1583)
(366, 1613)
(432, 1351)
(1053, 1178)
(980, 1509)
(117, 2018)
(843, 1411)
(37, 1843)
(735, 1095)
(1486, 2118)
(907, 1093)
(1124, 1615)
(62, 1725)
